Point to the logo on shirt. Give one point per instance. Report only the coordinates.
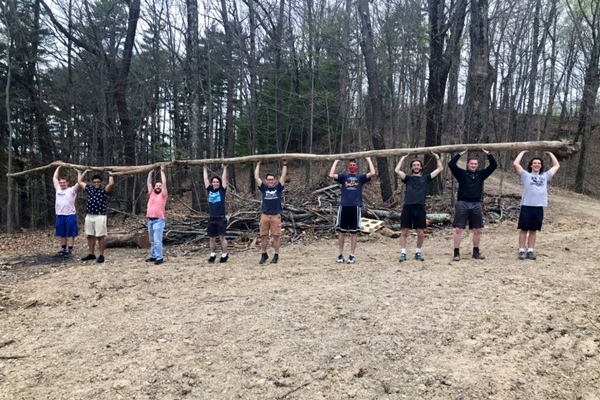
(214, 197)
(271, 194)
(351, 184)
(537, 181)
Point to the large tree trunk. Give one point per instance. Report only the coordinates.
(231, 78)
(377, 133)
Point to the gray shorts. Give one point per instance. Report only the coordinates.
(468, 211)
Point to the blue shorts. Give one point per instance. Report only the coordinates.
(66, 226)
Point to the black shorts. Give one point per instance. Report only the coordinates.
(468, 211)
(413, 216)
(217, 226)
(531, 218)
(348, 219)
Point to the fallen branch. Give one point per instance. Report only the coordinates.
(564, 148)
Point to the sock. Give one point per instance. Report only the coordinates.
(64, 247)
(264, 254)
(475, 250)
(456, 251)
(403, 251)
(521, 249)
(418, 250)
(530, 249)
(276, 254)
(213, 254)
(223, 255)
(70, 247)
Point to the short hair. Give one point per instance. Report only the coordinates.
(472, 158)
(217, 178)
(530, 163)
(96, 177)
(62, 178)
(352, 161)
(416, 160)
(268, 175)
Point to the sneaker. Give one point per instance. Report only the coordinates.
(159, 261)
(68, 253)
(340, 259)
(212, 259)
(61, 253)
(275, 259)
(521, 255)
(531, 255)
(419, 257)
(478, 256)
(456, 257)
(351, 259)
(100, 259)
(224, 259)
(402, 257)
(89, 257)
(263, 258)
(151, 259)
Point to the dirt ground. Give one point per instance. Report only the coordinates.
(309, 328)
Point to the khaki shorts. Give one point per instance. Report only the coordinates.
(95, 225)
(270, 223)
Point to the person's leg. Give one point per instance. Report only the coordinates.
(63, 241)
(276, 243)
(159, 228)
(420, 237)
(403, 236)
(91, 243)
(353, 241)
(476, 237)
(341, 240)
(213, 244)
(151, 238)
(70, 241)
(457, 237)
(264, 241)
(531, 239)
(223, 244)
(522, 239)
(101, 244)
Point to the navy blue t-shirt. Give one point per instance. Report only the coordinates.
(216, 201)
(416, 189)
(96, 200)
(271, 202)
(352, 189)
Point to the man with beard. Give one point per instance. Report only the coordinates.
(534, 199)
(66, 214)
(348, 216)
(270, 218)
(468, 206)
(95, 218)
(217, 221)
(413, 212)
(156, 213)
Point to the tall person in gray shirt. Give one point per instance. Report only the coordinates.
(534, 199)
(413, 212)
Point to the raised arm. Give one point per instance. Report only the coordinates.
(55, 177)
(149, 183)
(555, 164)
(517, 163)
(224, 177)
(439, 167)
(453, 163)
(283, 172)
(371, 172)
(332, 173)
(163, 179)
(111, 182)
(398, 169)
(257, 174)
(492, 166)
(205, 173)
(81, 177)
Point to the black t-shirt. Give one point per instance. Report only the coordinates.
(96, 200)
(271, 202)
(416, 189)
(352, 185)
(216, 201)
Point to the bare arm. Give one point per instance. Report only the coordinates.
(332, 173)
(555, 163)
(81, 177)
(439, 167)
(371, 168)
(205, 173)
(55, 176)
(111, 182)
(517, 163)
(224, 177)
(149, 181)
(257, 174)
(398, 169)
(163, 179)
(283, 172)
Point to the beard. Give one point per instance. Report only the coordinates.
(157, 191)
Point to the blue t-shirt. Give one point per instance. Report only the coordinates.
(271, 202)
(216, 201)
(352, 189)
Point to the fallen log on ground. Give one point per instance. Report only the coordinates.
(563, 148)
(135, 239)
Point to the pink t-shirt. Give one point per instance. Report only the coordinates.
(65, 201)
(157, 203)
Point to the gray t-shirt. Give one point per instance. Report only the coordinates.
(535, 189)
(416, 189)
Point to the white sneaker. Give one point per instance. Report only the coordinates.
(351, 259)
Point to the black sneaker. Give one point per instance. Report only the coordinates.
(263, 258)
(351, 259)
(340, 259)
(224, 259)
(89, 257)
(478, 256)
(60, 253)
(100, 259)
(151, 259)
(521, 255)
(275, 259)
(68, 253)
(212, 259)
(159, 261)
(531, 255)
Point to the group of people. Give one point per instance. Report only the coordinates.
(468, 209)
